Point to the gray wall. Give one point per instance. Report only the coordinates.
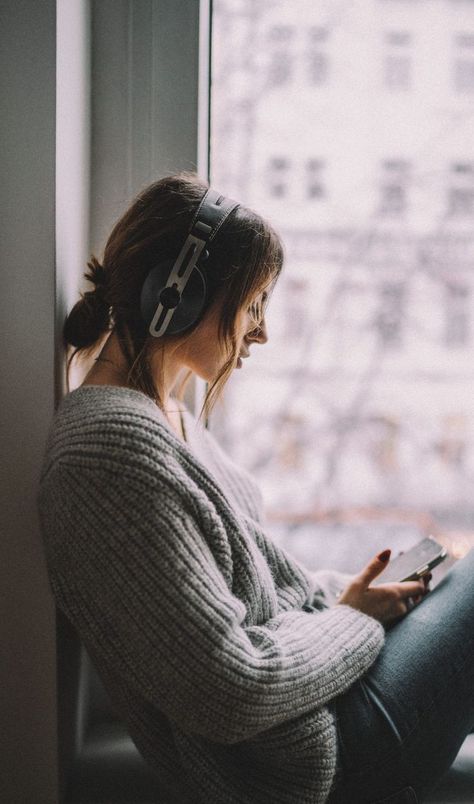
(126, 79)
(145, 63)
(27, 254)
(149, 106)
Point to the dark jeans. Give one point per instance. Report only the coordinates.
(403, 723)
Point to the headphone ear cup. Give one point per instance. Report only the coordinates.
(191, 305)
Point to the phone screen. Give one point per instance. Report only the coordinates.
(426, 553)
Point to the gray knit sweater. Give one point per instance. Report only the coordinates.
(158, 555)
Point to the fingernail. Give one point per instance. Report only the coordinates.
(384, 556)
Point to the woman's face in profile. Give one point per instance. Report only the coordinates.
(248, 332)
(207, 356)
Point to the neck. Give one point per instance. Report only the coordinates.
(110, 368)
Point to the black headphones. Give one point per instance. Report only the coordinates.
(175, 293)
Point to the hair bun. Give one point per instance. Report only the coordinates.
(97, 274)
(89, 317)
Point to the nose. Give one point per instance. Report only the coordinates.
(259, 334)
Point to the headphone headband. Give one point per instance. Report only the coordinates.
(210, 215)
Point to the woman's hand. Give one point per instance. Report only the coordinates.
(385, 602)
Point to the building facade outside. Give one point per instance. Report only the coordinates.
(349, 126)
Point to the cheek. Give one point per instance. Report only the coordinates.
(244, 326)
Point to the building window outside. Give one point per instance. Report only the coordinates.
(463, 64)
(280, 69)
(457, 328)
(394, 187)
(389, 315)
(278, 176)
(317, 58)
(397, 72)
(460, 191)
(280, 55)
(315, 185)
(397, 61)
(278, 34)
(464, 75)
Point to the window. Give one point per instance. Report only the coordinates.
(279, 69)
(351, 167)
(316, 56)
(393, 187)
(397, 61)
(463, 64)
(389, 314)
(280, 33)
(280, 55)
(460, 191)
(457, 298)
(277, 171)
(315, 188)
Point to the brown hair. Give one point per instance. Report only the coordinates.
(246, 257)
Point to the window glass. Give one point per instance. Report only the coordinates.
(397, 60)
(463, 62)
(349, 126)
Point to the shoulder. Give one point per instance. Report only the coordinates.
(108, 427)
(96, 406)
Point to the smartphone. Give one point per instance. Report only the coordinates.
(414, 563)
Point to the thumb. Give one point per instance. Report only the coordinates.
(374, 567)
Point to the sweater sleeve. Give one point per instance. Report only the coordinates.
(132, 570)
(329, 583)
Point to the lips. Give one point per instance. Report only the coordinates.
(242, 356)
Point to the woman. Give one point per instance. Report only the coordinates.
(242, 677)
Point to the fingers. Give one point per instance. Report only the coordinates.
(405, 589)
(387, 602)
(419, 588)
(402, 607)
(374, 568)
(410, 588)
(413, 600)
(425, 580)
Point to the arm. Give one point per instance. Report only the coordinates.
(325, 585)
(135, 574)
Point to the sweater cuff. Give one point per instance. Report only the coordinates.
(328, 585)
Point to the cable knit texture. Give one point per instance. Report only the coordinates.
(157, 553)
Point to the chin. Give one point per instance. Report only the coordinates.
(210, 373)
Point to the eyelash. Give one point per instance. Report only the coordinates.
(259, 307)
